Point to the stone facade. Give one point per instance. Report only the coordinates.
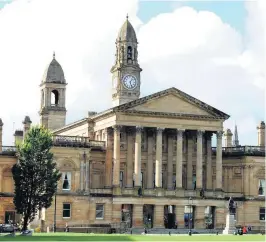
(145, 162)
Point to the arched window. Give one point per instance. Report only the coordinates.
(54, 98)
(129, 53)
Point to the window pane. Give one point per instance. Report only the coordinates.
(66, 206)
(99, 207)
(66, 213)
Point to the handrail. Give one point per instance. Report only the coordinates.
(63, 141)
(242, 150)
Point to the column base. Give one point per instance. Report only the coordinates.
(117, 191)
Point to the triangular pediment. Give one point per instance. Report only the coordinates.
(172, 101)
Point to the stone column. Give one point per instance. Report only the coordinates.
(26, 123)
(87, 175)
(1, 178)
(1, 134)
(228, 138)
(225, 179)
(199, 160)
(137, 216)
(158, 216)
(179, 159)
(116, 155)
(109, 158)
(179, 210)
(190, 151)
(230, 178)
(209, 160)
(200, 217)
(219, 161)
(150, 159)
(116, 213)
(137, 168)
(129, 181)
(170, 161)
(261, 134)
(81, 174)
(158, 164)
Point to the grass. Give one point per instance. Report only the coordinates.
(94, 237)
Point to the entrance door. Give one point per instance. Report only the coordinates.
(9, 217)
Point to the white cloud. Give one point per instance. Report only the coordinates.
(193, 51)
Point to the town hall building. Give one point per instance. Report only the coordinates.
(145, 162)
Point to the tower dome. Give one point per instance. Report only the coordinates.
(54, 73)
(127, 32)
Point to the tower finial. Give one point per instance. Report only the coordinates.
(236, 141)
(54, 55)
(127, 16)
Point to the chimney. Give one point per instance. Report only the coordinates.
(18, 137)
(1, 134)
(228, 138)
(27, 123)
(261, 134)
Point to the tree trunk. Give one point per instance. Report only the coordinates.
(25, 222)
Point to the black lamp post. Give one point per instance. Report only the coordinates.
(190, 201)
(55, 211)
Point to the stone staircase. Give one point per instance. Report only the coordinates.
(174, 231)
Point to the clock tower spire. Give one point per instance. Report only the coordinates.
(126, 70)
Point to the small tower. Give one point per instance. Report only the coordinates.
(228, 138)
(261, 134)
(53, 94)
(1, 134)
(126, 70)
(236, 141)
(26, 125)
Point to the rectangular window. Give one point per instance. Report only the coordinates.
(66, 210)
(99, 211)
(66, 176)
(261, 188)
(262, 214)
(121, 178)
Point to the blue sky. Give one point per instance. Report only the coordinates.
(232, 12)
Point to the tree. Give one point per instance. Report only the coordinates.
(35, 174)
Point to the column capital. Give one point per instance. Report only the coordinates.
(200, 133)
(159, 131)
(117, 128)
(180, 132)
(139, 129)
(219, 134)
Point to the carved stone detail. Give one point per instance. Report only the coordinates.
(219, 134)
(200, 133)
(180, 133)
(139, 129)
(159, 131)
(117, 128)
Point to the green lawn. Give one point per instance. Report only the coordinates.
(88, 237)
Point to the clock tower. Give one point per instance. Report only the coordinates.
(126, 70)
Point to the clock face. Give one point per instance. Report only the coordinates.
(130, 82)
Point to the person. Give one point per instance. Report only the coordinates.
(244, 230)
(249, 228)
(145, 231)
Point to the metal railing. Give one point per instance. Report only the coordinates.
(62, 141)
(77, 141)
(242, 150)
